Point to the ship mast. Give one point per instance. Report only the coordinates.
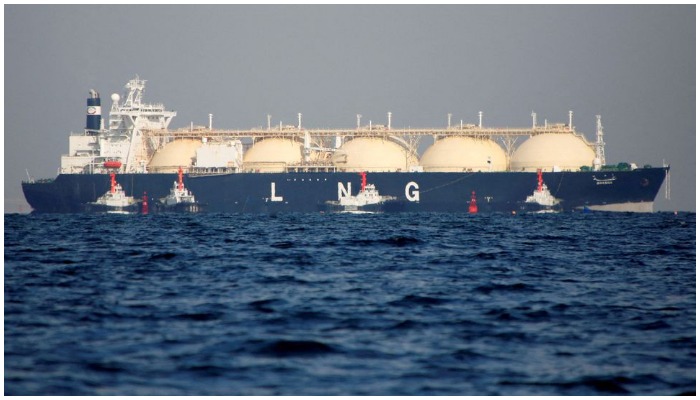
(599, 146)
(128, 120)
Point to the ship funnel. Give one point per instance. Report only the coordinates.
(93, 119)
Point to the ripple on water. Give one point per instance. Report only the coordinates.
(307, 304)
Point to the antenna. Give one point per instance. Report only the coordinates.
(29, 177)
(599, 144)
(571, 120)
(667, 187)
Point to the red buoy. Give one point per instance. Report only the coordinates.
(472, 204)
(144, 204)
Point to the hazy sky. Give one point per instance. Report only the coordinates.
(634, 65)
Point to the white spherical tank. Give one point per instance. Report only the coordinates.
(273, 155)
(373, 154)
(552, 151)
(458, 154)
(176, 154)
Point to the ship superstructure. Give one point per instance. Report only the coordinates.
(124, 140)
(247, 170)
(138, 137)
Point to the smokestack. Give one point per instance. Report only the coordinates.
(93, 119)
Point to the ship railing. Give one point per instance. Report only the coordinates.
(324, 167)
(206, 171)
(364, 131)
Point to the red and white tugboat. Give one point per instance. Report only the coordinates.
(115, 201)
(368, 200)
(180, 199)
(541, 200)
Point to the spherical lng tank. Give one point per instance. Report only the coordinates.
(552, 151)
(176, 154)
(373, 154)
(458, 154)
(272, 155)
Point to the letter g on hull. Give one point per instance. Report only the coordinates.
(412, 192)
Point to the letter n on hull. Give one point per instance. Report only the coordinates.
(343, 192)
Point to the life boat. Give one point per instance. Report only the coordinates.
(112, 164)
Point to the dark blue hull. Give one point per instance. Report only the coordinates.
(158, 207)
(415, 192)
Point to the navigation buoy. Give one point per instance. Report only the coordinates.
(144, 204)
(472, 204)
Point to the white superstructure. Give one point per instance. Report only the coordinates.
(367, 196)
(115, 200)
(178, 194)
(127, 121)
(542, 195)
(125, 139)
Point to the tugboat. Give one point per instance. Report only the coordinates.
(541, 200)
(180, 199)
(367, 201)
(115, 201)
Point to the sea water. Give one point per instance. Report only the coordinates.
(336, 304)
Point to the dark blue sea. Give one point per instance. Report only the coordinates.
(335, 304)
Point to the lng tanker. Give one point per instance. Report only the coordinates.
(289, 168)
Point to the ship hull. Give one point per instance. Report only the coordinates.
(384, 206)
(415, 192)
(102, 209)
(183, 207)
